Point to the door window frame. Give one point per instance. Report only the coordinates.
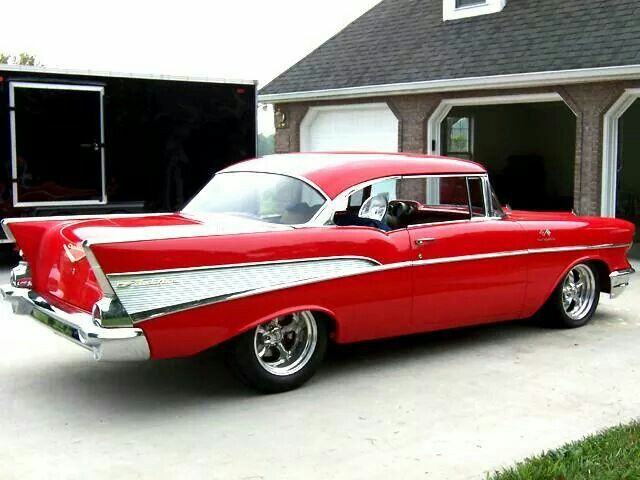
(343, 198)
(14, 147)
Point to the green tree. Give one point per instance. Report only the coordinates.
(266, 144)
(22, 58)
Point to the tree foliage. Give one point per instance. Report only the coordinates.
(266, 144)
(22, 58)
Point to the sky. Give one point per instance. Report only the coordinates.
(249, 39)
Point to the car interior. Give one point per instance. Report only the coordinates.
(455, 198)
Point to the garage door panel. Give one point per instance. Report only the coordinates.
(350, 128)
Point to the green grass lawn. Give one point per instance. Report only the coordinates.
(610, 455)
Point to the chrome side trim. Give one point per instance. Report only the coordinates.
(149, 315)
(620, 280)
(577, 248)
(106, 344)
(373, 266)
(102, 279)
(470, 258)
(247, 264)
(142, 293)
(112, 313)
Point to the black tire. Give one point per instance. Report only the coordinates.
(560, 312)
(244, 360)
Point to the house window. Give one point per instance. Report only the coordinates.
(457, 9)
(459, 137)
(469, 3)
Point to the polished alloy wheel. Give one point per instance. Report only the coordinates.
(286, 344)
(579, 291)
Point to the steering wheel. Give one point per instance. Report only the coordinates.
(375, 208)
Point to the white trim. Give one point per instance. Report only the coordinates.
(513, 80)
(610, 147)
(14, 148)
(451, 12)
(434, 125)
(142, 76)
(313, 112)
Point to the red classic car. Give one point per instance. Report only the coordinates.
(276, 257)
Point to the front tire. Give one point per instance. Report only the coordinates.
(575, 300)
(282, 354)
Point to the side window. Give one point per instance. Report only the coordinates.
(414, 201)
(476, 197)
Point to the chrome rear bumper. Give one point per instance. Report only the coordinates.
(620, 281)
(107, 344)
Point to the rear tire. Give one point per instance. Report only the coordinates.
(280, 355)
(575, 300)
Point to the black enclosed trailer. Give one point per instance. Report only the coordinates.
(87, 143)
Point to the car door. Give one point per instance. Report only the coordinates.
(470, 263)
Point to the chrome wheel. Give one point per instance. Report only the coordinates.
(579, 291)
(286, 344)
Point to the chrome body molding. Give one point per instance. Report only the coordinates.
(620, 280)
(101, 278)
(577, 248)
(145, 295)
(151, 294)
(106, 344)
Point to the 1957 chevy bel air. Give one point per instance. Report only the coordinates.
(276, 257)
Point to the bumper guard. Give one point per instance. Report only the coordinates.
(620, 281)
(107, 344)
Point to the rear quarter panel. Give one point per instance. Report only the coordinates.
(363, 306)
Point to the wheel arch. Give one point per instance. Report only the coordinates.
(320, 312)
(600, 265)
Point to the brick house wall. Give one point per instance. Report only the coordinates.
(588, 101)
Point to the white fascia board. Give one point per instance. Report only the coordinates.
(516, 80)
(91, 73)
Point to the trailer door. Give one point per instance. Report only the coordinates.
(57, 142)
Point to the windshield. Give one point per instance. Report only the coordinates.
(263, 196)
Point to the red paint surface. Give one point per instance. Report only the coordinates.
(376, 305)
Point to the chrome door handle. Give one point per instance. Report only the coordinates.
(422, 241)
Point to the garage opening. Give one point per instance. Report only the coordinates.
(628, 178)
(528, 149)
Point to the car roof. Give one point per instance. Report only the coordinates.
(335, 172)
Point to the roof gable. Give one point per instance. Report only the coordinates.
(402, 41)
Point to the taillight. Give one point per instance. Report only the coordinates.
(21, 276)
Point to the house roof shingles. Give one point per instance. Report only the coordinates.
(401, 41)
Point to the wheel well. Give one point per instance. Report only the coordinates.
(332, 324)
(602, 269)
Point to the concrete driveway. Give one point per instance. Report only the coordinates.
(445, 406)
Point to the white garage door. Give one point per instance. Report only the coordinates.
(351, 128)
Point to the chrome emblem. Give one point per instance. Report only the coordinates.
(75, 253)
(144, 282)
(545, 235)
